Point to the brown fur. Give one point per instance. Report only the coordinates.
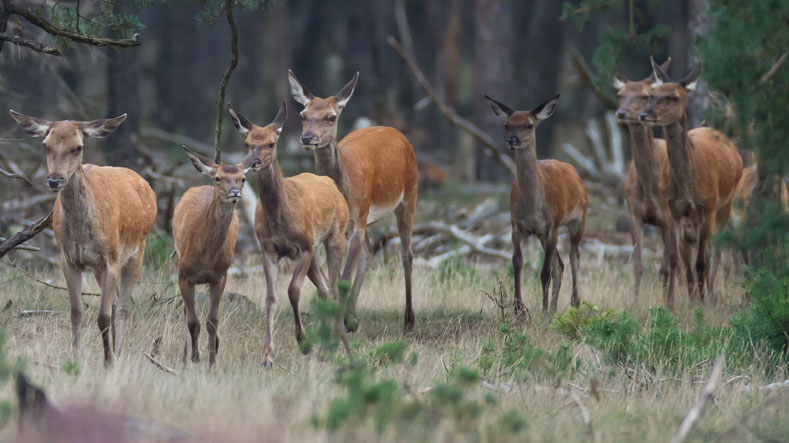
(376, 170)
(101, 218)
(293, 217)
(205, 228)
(545, 196)
(704, 169)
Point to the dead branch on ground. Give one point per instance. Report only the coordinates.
(698, 409)
(158, 364)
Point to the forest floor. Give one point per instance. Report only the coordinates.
(457, 326)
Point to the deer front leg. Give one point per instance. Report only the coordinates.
(556, 276)
(363, 265)
(549, 248)
(575, 258)
(318, 278)
(671, 248)
(73, 277)
(212, 324)
(517, 267)
(637, 234)
(294, 294)
(354, 250)
(190, 315)
(270, 270)
(702, 261)
(107, 279)
(128, 278)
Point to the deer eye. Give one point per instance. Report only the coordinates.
(674, 98)
(529, 126)
(77, 150)
(217, 179)
(243, 180)
(333, 118)
(271, 145)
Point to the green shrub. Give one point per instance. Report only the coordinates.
(158, 248)
(570, 321)
(516, 357)
(456, 266)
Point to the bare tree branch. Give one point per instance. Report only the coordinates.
(49, 285)
(220, 102)
(17, 176)
(488, 141)
(31, 44)
(774, 68)
(53, 30)
(587, 79)
(26, 234)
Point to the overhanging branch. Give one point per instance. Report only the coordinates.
(588, 79)
(220, 102)
(53, 30)
(31, 44)
(26, 234)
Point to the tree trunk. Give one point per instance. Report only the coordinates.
(492, 74)
(3, 19)
(699, 21)
(123, 97)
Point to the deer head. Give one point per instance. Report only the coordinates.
(261, 141)
(668, 99)
(228, 179)
(320, 115)
(522, 125)
(634, 95)
(63, 142)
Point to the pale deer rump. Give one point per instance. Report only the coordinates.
(197, 257)
(121, 210)
(381, 170)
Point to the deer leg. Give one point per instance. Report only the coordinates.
(362, 266)
(270, 270)
(73, 277)
(294, 292)
(671, 247)
(637, 234)
(405, 221)
(192, 322)
(318, 278)
(664, 264)
(575, 258)
(517, 267)
(215, 291)
(106, 277)
(129, 274)
(549, 249)
(702, 264)
(721, 221)
(354, 250)
(556, 277)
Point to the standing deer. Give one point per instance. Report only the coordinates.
(375, 169)
(101, 218)
(642, 185)
(293, 217)
(545, 196)
(704, 168)
(205, 227)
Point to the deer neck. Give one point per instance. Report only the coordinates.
(76, 201)
(642, 144)
(271, 188)
(328, 163)
(530, 191)
(220, 215)
(681, 167)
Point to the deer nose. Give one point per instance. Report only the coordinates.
(620, 114)
(513, 141)
(308, 138)
(643, 116)
(54, 182)
(234, 194)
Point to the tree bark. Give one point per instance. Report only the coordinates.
(123, 97)
(699, 22)
(3, 19)
(492, 74)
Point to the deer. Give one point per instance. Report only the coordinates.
(703, 172)
(101, 218)
(644, 197)
(376, 170)
(545, 195)
(293, 217)
(205, 228)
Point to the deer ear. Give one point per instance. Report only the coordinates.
(300, 93)
(347, 91)
(251, 161)
(651, 77)
(691, 80)
(659, 74)
(546, 109)
(102, 128)
(239, 121)
(282, 115)
(33, 126)
(203, 164)
(619, 82)
(501, 110)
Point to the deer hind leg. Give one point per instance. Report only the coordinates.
(549, 249)
(517, 268)
(721, 221)
(107, 279)
(575, 259)
(355, 244)
(318, 278)
(556, 277)
(270, 270)
(405, 222)
(686, 253)
(702, 261)
(129, 273)
(670, 249)
(362, 266)
(637, 234)
(215, 291)
(294, 293)
(665, 263)
(190, 315)
(73, 277)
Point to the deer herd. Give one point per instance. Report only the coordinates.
(683, 185)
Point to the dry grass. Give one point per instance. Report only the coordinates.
(241, 401)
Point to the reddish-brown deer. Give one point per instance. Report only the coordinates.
(642, 186)
(101, 218)
(294, 216)
(545, 196)
(375, 169)
(205, 228)
(704, 168)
